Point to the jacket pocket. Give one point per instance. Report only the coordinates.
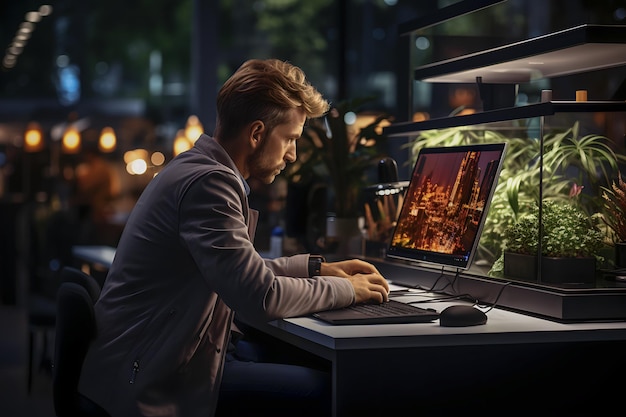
(147, 351)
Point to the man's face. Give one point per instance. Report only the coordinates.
(277, 148)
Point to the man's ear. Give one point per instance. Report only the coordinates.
(257, 131)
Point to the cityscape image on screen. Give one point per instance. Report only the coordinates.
(445, 204)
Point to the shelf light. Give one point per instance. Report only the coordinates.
(389, 188)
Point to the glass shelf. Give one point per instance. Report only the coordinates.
(580, 49)
(522, 112)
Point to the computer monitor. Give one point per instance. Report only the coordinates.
(446, 204)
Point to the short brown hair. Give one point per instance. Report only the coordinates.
(264, 90)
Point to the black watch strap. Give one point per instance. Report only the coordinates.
(315, 265)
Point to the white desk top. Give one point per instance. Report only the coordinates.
(502, 327)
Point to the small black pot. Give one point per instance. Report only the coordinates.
(620, 255)
(554, 271)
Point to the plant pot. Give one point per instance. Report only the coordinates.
(520, 266)
(620, 255)
(554, 271)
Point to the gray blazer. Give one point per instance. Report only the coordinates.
(184, 263)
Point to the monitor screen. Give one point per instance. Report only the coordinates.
(446, 204)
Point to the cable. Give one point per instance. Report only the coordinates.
(449, 296)
(450, 283)
(420, 287)
(441, 275)
(495, 302)
(408, 291)
(434, 300)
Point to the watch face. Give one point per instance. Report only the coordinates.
(315, 265)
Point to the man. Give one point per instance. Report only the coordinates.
(186, 261)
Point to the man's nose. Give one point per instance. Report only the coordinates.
(291, 154)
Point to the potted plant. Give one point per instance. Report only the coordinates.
(338, 150)
(615, 217)
(571, 242)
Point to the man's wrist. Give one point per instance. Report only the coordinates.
(315, 265)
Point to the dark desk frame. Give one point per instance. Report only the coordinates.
(402, 369)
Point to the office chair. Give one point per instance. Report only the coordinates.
(41, 321)
(75, 329)
(51, 245)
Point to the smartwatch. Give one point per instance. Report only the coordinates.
(315, 264)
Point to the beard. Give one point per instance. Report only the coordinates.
(262, 167)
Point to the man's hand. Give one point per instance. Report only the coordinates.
(348, 268)
(369, 288)
(369, 285)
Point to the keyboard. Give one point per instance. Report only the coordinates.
(386, 313)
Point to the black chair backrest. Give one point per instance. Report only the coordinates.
(75, 329)
(69, 274)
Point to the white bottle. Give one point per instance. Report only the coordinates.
(276, 242)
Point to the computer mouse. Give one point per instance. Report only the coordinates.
(461, 316)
